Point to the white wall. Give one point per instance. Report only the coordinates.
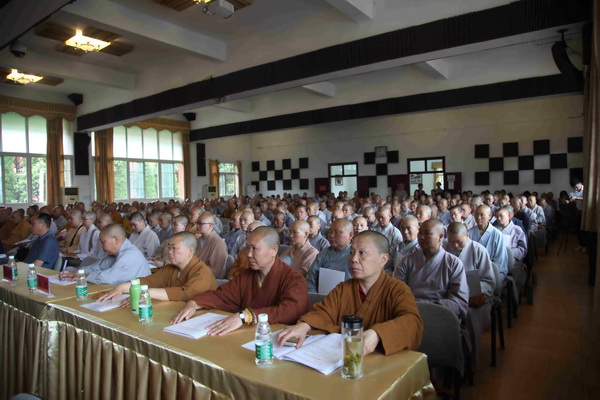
(451, 133)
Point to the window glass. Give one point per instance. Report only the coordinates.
(13, 133)
(134, 142)
(151, 180)
(150, 144)
(178, 146)
(119, 142)
(336, 170)
(67, 167)
(165, 145)
(120, 179)
(417, 166)
(67, 137)
(136, 180)
(350, 169)
(15, 179)
(167, 180)
(435, 165)
(38, 179)
(37, 135)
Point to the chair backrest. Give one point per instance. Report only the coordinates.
(511, 259)
(221, 281)
(441, 336)
(315, 297)
(499, 283)
(58, 263)
(228, 263)
(282, 248)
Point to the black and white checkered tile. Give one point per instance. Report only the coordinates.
(381, 165)
(515, 160)
(279, 175)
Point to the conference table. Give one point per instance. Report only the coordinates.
(59, 350)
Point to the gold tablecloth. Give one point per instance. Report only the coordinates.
(24, 333)
(218, 363)
(54, 348)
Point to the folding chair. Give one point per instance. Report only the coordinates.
(496, 314)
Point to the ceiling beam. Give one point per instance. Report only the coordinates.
(241, 105)
(162, 32)
(326, 89)
(357, 10)
(436, 68)
(68, 69)
(17, 17)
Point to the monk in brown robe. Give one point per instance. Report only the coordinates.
(390, 315)
(268, 286)
(7, 224)
(180, 280)
(211, 248)
(20, 230)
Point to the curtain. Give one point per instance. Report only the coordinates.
(54, 160)
(213, 168)
(105, 172)
(187, 168)
(161, 124)
(28, 108)
(238, 166)
(591, 146)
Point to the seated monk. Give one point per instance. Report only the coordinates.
(180, 280)
(161, 257)
(435, 275)
(19, 232)
(70, 241)
(301, 255)
(212, 250)
(241, 262)
(7, 224)
(268, 286)
(387, 306)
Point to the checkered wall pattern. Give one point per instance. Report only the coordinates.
(542, 161)
(381, 165)
(280, 171)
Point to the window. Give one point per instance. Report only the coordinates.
(343, 178)
(147, 163)
(228, 180)
(23, 159)
(427, 172)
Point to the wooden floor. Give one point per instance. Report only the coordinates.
(548, 353)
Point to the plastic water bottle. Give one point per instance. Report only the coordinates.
(263, 342)
(32, 278)
(145, 306)
(13, 265)
(81, 286)
(134, 295)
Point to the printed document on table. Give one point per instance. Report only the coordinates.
(196, 327)
(324, 354)
(107, 305)
(329, 278)
(280, 351)
(56, 280)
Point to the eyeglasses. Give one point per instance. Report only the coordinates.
(204, 223)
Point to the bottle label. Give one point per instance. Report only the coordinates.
(264, 351)
(32, 283)
(15, 271)
(81, 290)
(145, 311)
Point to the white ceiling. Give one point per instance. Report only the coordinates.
(173, 48)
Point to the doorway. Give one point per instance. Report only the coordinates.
(427, 172)
(343, 177)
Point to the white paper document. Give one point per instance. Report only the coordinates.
(56, 280)
(107, 305)
(194, 328)
(280, 351)
(324, 354)
(329, 278)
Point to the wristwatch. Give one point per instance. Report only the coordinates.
(243, 317)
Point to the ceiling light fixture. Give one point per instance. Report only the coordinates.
(21, 78)
(219, 8)
(86, 43)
